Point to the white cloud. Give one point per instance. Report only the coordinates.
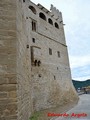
(79, 61)
(81, 78)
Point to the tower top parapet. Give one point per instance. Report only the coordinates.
(57, 14)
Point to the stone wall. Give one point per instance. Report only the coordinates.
(8, 101)
(52, 84)
(24, 86)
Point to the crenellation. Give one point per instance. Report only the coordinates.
(57, 14)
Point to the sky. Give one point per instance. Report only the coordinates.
(76, 18)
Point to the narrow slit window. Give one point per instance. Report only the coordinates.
(35, 62)
(33, 40)
(50, 51)
(33, 25)
(58, 53)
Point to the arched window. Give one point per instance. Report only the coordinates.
(32, 9)
(56, 25)
(50, 21)
(41, 15)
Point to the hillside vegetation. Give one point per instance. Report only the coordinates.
(80, 84)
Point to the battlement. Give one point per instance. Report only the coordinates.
(54, 12)
(57, 14)
(43, 8)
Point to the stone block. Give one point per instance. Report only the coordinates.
(8, 110)
(7, 87)
(7, 101)
(3, 95)
(10, 117)
(7, 6)
(12, 108)
(8, 18)
(12, 94)
(13, 2)
(7, 33)
(3, 80)
(7, 25)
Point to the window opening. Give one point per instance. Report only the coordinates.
(32, 9)
(50, 51)
(33, 40)
(27, 46)
(54, 77)
(39, 75)
(39, 63)
(33, 25)
(41, 15)
(56, 25)
(58, 53)
(50, 21)
(35, 62)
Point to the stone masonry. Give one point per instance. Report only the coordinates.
(34, 66)
(8, 79)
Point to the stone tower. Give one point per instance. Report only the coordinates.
(34, 65)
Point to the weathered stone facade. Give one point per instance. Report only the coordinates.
(8, 101)
(34, 66)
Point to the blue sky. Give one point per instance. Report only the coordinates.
(76, 16)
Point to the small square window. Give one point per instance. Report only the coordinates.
(58, 53)
(27, 46)
(39, 75)
(33, 40)
(23, 0)
(50, 51)
(54, 77)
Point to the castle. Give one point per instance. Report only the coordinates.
(34, 66)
